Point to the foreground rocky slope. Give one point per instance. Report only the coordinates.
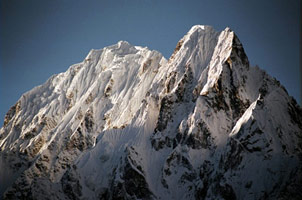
(128, 124)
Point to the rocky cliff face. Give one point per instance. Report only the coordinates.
(128, 124)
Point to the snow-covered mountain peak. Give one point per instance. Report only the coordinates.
(123, 48)
(127, 124)
(120, 49)
(200, 28)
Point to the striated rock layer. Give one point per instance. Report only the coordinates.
(128, 124)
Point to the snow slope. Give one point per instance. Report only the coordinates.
(128, 124)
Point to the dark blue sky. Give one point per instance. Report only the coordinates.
(39, 38)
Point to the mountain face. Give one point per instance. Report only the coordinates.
(128, 124)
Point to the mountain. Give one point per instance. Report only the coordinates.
(128, 124)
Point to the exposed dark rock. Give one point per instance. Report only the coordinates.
(295, 112)
(108, 88)
(71, 185)
(11, 113)
(233, 157)
(88, 121)
(133, 185)
(227, 192)
(178, 46)
(164, 113)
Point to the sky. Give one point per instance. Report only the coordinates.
(39, 38)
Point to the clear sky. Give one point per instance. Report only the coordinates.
(39, 38)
